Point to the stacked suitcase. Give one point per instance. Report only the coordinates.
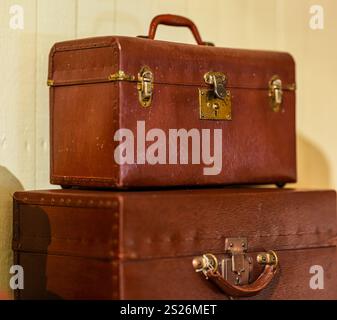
(145, 134)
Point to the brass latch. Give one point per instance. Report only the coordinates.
(233, 274)
(215, 103)
(145, 86)
(236, 267)
(275, 93)
(144, 83)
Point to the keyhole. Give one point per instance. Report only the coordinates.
(216, 108)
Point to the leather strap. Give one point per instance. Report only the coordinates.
(246, 290)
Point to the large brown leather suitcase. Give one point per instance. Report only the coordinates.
(133, 112)
(250, 243)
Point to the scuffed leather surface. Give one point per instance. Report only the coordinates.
(72, 277)
(258, 144)
(123, 245)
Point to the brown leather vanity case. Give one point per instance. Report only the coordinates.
(137, 112)
(248, 243)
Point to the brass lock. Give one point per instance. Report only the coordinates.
(275, 93)
(215, 103)
(145, 86)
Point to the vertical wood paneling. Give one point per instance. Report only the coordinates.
(236, 23)
(17, 120)
(315, 53)
(17, 94)
(95, 18)
(261, 24)
(207, 18)
(132, 17)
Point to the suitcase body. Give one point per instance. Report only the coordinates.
(76, 244)
(132, 112)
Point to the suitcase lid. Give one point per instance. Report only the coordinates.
(176, 223)
(117, 58)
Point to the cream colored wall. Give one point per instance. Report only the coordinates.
(256, 24)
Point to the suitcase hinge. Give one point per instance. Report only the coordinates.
(120, 75)
(215, 103)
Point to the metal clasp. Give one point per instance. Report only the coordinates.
(215, 103)
(236, 266)
(145, 86)
(218, 80)
(275, 93)
(238, 263)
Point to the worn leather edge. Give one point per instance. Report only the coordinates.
(37, 197)
(114, 181)
(110, 182)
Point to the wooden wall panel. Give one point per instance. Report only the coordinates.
(314, 52)
(95, 18)
(17, 120)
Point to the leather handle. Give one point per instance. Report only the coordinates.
(208, 265)
(177, 21)
(246, 290)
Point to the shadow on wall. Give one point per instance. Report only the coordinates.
(313, 167)
(8, 185)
